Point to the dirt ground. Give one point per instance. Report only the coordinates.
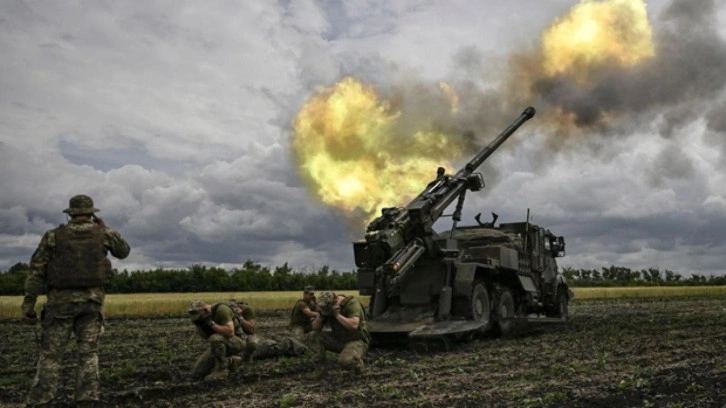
(624, 353)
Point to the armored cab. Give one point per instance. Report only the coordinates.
(463, 281)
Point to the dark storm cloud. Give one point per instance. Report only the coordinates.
(176, 118)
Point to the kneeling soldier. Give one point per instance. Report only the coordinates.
(348, 337)
(303, 313)
(245, 316)
(222, 330)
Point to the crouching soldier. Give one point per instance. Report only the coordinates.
(349, 336)
(303, 313)
(218, 325)
(245, 316)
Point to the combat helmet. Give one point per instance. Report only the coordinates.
(80, 204)
(326, 300)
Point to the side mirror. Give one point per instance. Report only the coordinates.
(557, 246)
(560, 247)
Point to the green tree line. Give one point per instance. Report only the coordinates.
(622, 276)
(253, 277)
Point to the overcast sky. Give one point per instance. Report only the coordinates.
(176, 117)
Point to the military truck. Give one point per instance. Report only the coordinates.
(465, 281)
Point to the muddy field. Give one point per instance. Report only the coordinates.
(624, 353)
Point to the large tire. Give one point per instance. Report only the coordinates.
(505, 312)
(562, 312)
(480, 307)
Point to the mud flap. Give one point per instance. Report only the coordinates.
(447, 327)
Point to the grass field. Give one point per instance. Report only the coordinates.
(150, 304)
(657, 351)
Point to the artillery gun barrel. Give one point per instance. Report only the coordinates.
(474, 163)
(449, 192)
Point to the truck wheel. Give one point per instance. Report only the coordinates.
(562, 312)
(505, 312)
(480, 308)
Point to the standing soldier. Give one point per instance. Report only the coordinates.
(71, 264)
(303, 313)
(348, 337)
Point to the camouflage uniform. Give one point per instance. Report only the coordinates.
(69, 310)
(351, 345)
(221, 347)
(300, 323)
(249, 337)
(285, 347)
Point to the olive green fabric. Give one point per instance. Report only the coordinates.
(349, 307)
(222, 314)
(351, 345)
(248, 313)
(297, 317)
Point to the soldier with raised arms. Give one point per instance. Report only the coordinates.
(229, 330)
(348, 335)
(71, 266)
(303, 313)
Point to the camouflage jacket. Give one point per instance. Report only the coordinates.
(35, 284)
(350, 307)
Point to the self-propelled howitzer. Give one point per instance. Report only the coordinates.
(417, 280)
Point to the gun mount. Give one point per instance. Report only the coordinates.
(428, 284)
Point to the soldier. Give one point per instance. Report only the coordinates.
(302, 314)
(246, 316)
(71, 266)
(222, 328)
(348, 337)
(258, 349)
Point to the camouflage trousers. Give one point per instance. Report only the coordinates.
(285, 347)
(85, 321)
(298, 332)
(220, 348)
(350, 353)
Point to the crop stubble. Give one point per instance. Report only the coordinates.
(637, 353)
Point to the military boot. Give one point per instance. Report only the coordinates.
(320, 372)
(234, 363)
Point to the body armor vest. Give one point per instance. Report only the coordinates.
(79, 259)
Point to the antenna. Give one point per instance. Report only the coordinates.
(526, 230)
